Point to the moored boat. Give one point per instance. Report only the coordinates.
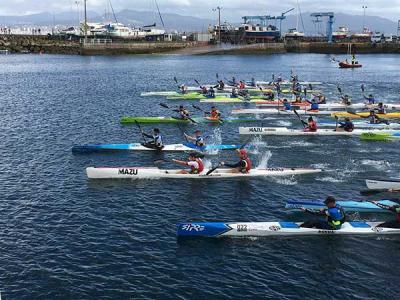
(383, 184)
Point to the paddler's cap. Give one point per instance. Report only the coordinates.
(180, 106)
(285, 100)
(193, 154)
(329, 199)
(243, 152)
(156, 130)
(213, 107)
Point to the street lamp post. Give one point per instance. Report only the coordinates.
(219, 23)
(364, 8)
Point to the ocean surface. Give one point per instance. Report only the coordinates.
(65, 237)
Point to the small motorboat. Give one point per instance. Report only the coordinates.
(347, 65)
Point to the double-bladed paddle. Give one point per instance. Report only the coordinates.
(175, 110)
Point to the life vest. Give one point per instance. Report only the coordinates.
(336, 217)
(199, 169)
(312, 126)
(242, 86)
(215, 114)
(248, 165)
(158, 141)
(314, 106)
(199, 141)
(348, 126)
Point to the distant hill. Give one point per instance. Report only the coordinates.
(188, 23)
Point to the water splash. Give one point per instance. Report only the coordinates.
(215, 139)
(263, 162)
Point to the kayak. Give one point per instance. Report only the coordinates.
(333, 105)
(345, 65)
(172, 120)
(363, 124)
(149, 173)
(274, 111)
(384, 184)
(288, 131)
(286, 82)
(348, 206)
(221, 229)
(365, 114)
(379, 136)
(139, 147)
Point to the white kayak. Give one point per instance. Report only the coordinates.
(246, 229)
(383, 184)
(288, 131)
(337, 106)
(286, 82)
(149, 173)
(274, 111)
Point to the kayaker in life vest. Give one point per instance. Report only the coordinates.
(286, 104)
(233, 82)
(183, 89)
(314, 104)
(242, 85)
(196, 164)
(380, 109)
(253, 82)
(234, 93)
(311, 125)
(347, 125)
(334, 216)
(157, 140)
(183, 113)
(278, 88)
(279, 79)
(197, 139)
(214, 113)
(395, 209)
(211, 93)
(346, 100)
(220, 86)
(319, 98)
(243, 166)
(204, 90)
(268, 95)
(370, 99)
(375, 119)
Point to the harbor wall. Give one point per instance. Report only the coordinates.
(57, 45)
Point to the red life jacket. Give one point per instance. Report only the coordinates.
(242, 86)
(248, 164)
(215, 114)
(312, 126)
(201, 166)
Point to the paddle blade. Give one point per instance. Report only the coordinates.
(164, 105)
(363, 88)
(212, 170)
(175, 79)
(197, 107)
(196, 82)
(216, 75)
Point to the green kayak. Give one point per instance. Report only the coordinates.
(171, 120)
(379, 137)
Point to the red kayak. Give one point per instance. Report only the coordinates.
(346, 65)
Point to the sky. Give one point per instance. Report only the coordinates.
(231, 9)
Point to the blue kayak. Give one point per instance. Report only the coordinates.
(187, 147)
(348, 206)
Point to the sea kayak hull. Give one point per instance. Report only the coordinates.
(379, 137)
(273, 111)
(383, 184)
(294, 132)
(186, 147)
(261, 229)
(150, 173)
(363, 125)
(331, 105)
(344, 114)
(348, 206)
(170, 120)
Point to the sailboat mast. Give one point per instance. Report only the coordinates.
(159, 13)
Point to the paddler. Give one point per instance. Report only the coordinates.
(243, 165)
(183, 89)
(347, 125)
(380, 109)
(370, 99)
(214, 113)
(286, 104)
(314, 105)
(242, 85)
(183, 112)
(253, 82)
(211, 93)
(157, 140)
(334, 214)
(395, 209)
(346, 100)
(204, 90)
(311, 125)
(196, 164)
(197, 139)
(220, 86)
(268, 95)
(234, 93)
(353, 59)
(375, 119)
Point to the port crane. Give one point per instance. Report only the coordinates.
(263, 20)
(329, 24)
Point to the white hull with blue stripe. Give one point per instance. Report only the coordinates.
(186, 147)
(259, 229)
(348, 206)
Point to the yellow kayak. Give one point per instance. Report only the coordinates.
(365, 114)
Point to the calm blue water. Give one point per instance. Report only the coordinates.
(63, 237)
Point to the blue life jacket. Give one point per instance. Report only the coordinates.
(287, 105)
(335, 216)
(199, 141)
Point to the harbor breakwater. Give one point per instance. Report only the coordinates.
(56, 45)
